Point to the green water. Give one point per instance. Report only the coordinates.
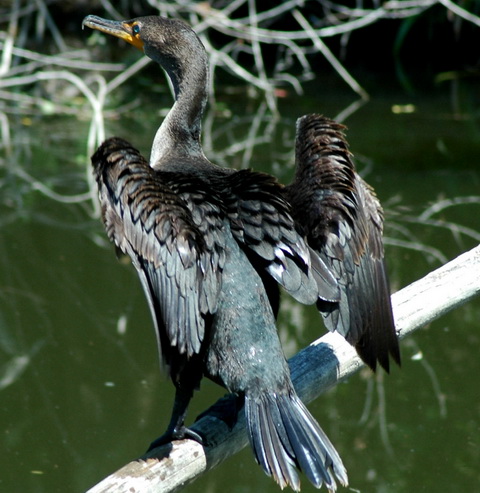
(80, 389)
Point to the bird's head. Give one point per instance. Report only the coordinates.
(164, 40)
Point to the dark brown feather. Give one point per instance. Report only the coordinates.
(342, 220)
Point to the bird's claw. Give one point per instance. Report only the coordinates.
(180, 433)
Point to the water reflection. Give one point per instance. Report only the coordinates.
(79, 383)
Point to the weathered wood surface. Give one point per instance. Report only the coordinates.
(314, 369)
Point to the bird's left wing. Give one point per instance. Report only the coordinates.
(151, 224)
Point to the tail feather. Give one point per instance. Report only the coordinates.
(280, 464)
(270, 451)
(285, 437)
(308, 449)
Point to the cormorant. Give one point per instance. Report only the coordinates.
(342, 220)
(207, 243)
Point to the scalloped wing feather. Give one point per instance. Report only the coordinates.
(151, 224)
(343, 221)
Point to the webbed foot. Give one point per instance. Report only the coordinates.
(180, 433)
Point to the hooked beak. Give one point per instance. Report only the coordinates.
(119, 29)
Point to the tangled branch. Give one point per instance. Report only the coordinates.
(236, 35)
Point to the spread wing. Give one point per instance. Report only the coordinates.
(149, 222)
(343, 222)
(262, 224)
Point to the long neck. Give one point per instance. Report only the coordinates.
(179, 133)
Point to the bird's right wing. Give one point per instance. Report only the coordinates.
(343, 222)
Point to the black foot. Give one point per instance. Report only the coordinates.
(178, 434)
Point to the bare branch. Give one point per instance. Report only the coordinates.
(322, 47)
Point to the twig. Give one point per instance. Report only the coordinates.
(323, 48)
(9, 42)
(65, 60)
(41, 187)
(44, 16)
(126, 74)
(5, 128)
(258, 57)
(433, 253)
(441, 205)
(457, 10)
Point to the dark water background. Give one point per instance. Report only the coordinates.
(80, 389)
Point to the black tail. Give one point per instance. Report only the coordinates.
(285, 436)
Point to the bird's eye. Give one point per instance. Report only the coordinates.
(135, 29)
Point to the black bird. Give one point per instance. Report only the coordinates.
(207, 244)
(339, 214)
